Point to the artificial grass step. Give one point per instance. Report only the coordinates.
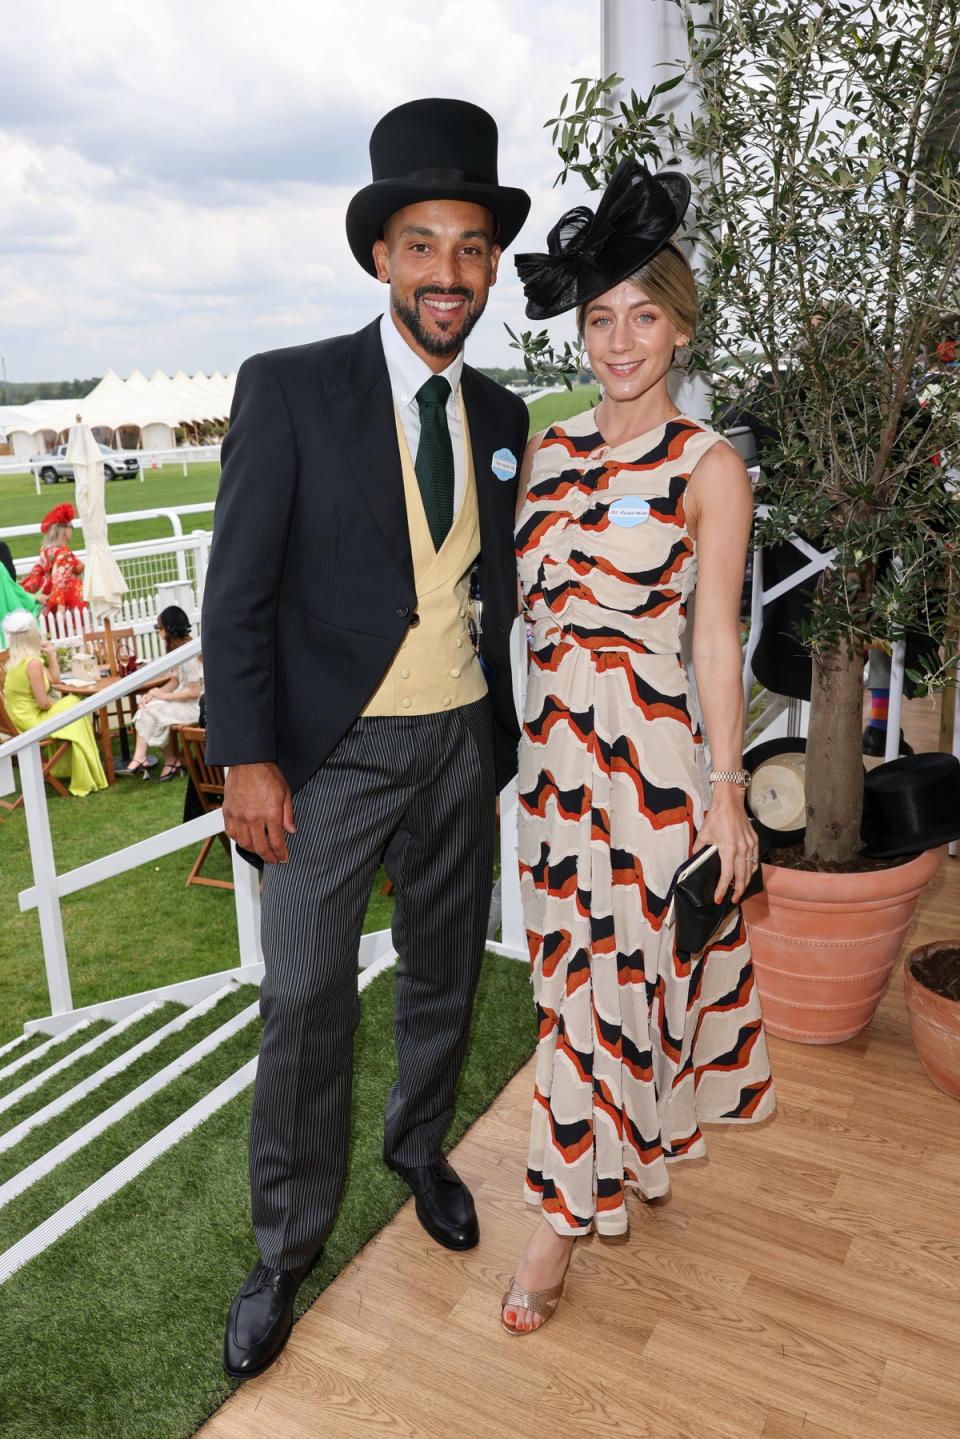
(176, 1243)
(21, 1046)
(51, 1132)
(57, 1084)
(24, 1212)
(57, 1051)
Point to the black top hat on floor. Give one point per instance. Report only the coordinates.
(776, 796)
(432, 150)
(911, 804)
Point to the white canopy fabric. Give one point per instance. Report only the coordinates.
(103, 585)
(136, 402)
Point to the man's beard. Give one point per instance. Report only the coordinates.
(439, 345)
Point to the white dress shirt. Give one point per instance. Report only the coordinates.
(407, 373)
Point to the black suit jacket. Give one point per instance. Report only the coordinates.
(310, 587)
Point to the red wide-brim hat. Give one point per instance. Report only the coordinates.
(63, 514)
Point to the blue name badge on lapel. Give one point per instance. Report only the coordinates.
(504, 464)
(629, 510)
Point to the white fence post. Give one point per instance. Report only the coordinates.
(895, 700)
(246, 896)
(202, 538)
(45, 879)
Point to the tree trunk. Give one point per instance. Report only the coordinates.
(834, 768)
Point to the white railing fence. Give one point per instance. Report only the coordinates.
(157, 572)
(147, 460)
(67, 629)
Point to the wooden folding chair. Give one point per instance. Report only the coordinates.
(115, 649)
(209, 781)
(52, 749)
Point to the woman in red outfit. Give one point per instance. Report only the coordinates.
(57, 577)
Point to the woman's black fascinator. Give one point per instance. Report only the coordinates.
(589, 253)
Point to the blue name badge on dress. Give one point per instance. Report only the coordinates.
(504, 464)
(629, 510)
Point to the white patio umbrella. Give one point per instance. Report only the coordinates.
(103, 584)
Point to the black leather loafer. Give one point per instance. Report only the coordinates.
(260, 1320)
(445, 1205)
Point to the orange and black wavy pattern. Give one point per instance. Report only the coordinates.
(638, 1042)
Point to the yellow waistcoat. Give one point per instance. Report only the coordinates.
(436, 668)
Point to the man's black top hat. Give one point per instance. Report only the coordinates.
(911, 804)
(432, 150)
(587, 253)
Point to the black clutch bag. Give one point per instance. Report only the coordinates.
(694, 910)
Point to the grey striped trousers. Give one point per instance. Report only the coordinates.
(417, 793)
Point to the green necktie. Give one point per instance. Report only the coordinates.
(434, 464)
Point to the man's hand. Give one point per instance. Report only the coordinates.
(258, 810)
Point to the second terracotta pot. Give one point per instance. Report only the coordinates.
(824, 945)
(934, 1024)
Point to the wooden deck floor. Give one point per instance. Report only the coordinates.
(801, 1283)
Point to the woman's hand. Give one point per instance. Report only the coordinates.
(726, 825)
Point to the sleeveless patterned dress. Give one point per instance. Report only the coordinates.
(639, 1043)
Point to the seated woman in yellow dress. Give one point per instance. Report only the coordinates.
(32, 670)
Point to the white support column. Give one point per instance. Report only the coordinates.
(644, 40)
(246, 897)
(513, 940)
(45, 879)
(513, 937)
(202, 538)
(756, 621)
(895, 704)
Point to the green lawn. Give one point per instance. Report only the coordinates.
(163, 488)
(550, 408)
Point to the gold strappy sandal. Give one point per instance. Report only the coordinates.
(538, 1300)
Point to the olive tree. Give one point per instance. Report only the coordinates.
(827, 177)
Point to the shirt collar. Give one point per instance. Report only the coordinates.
(406, 369)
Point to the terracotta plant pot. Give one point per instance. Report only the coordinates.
(934, 1023)
(824, 945)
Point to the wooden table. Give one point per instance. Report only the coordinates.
(83, 690)
(86, 688)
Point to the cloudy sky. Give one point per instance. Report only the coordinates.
(174, 174)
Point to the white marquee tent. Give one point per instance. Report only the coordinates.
(152, 408)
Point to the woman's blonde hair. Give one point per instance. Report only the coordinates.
(669, 281)
(23, 644)
(56, 536)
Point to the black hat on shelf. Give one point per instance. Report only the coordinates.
(776, 796)
(587, 253)
(432, 150)
(911, 804)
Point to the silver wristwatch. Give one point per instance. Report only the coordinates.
(729, 776)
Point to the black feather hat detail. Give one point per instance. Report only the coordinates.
(588, 253)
